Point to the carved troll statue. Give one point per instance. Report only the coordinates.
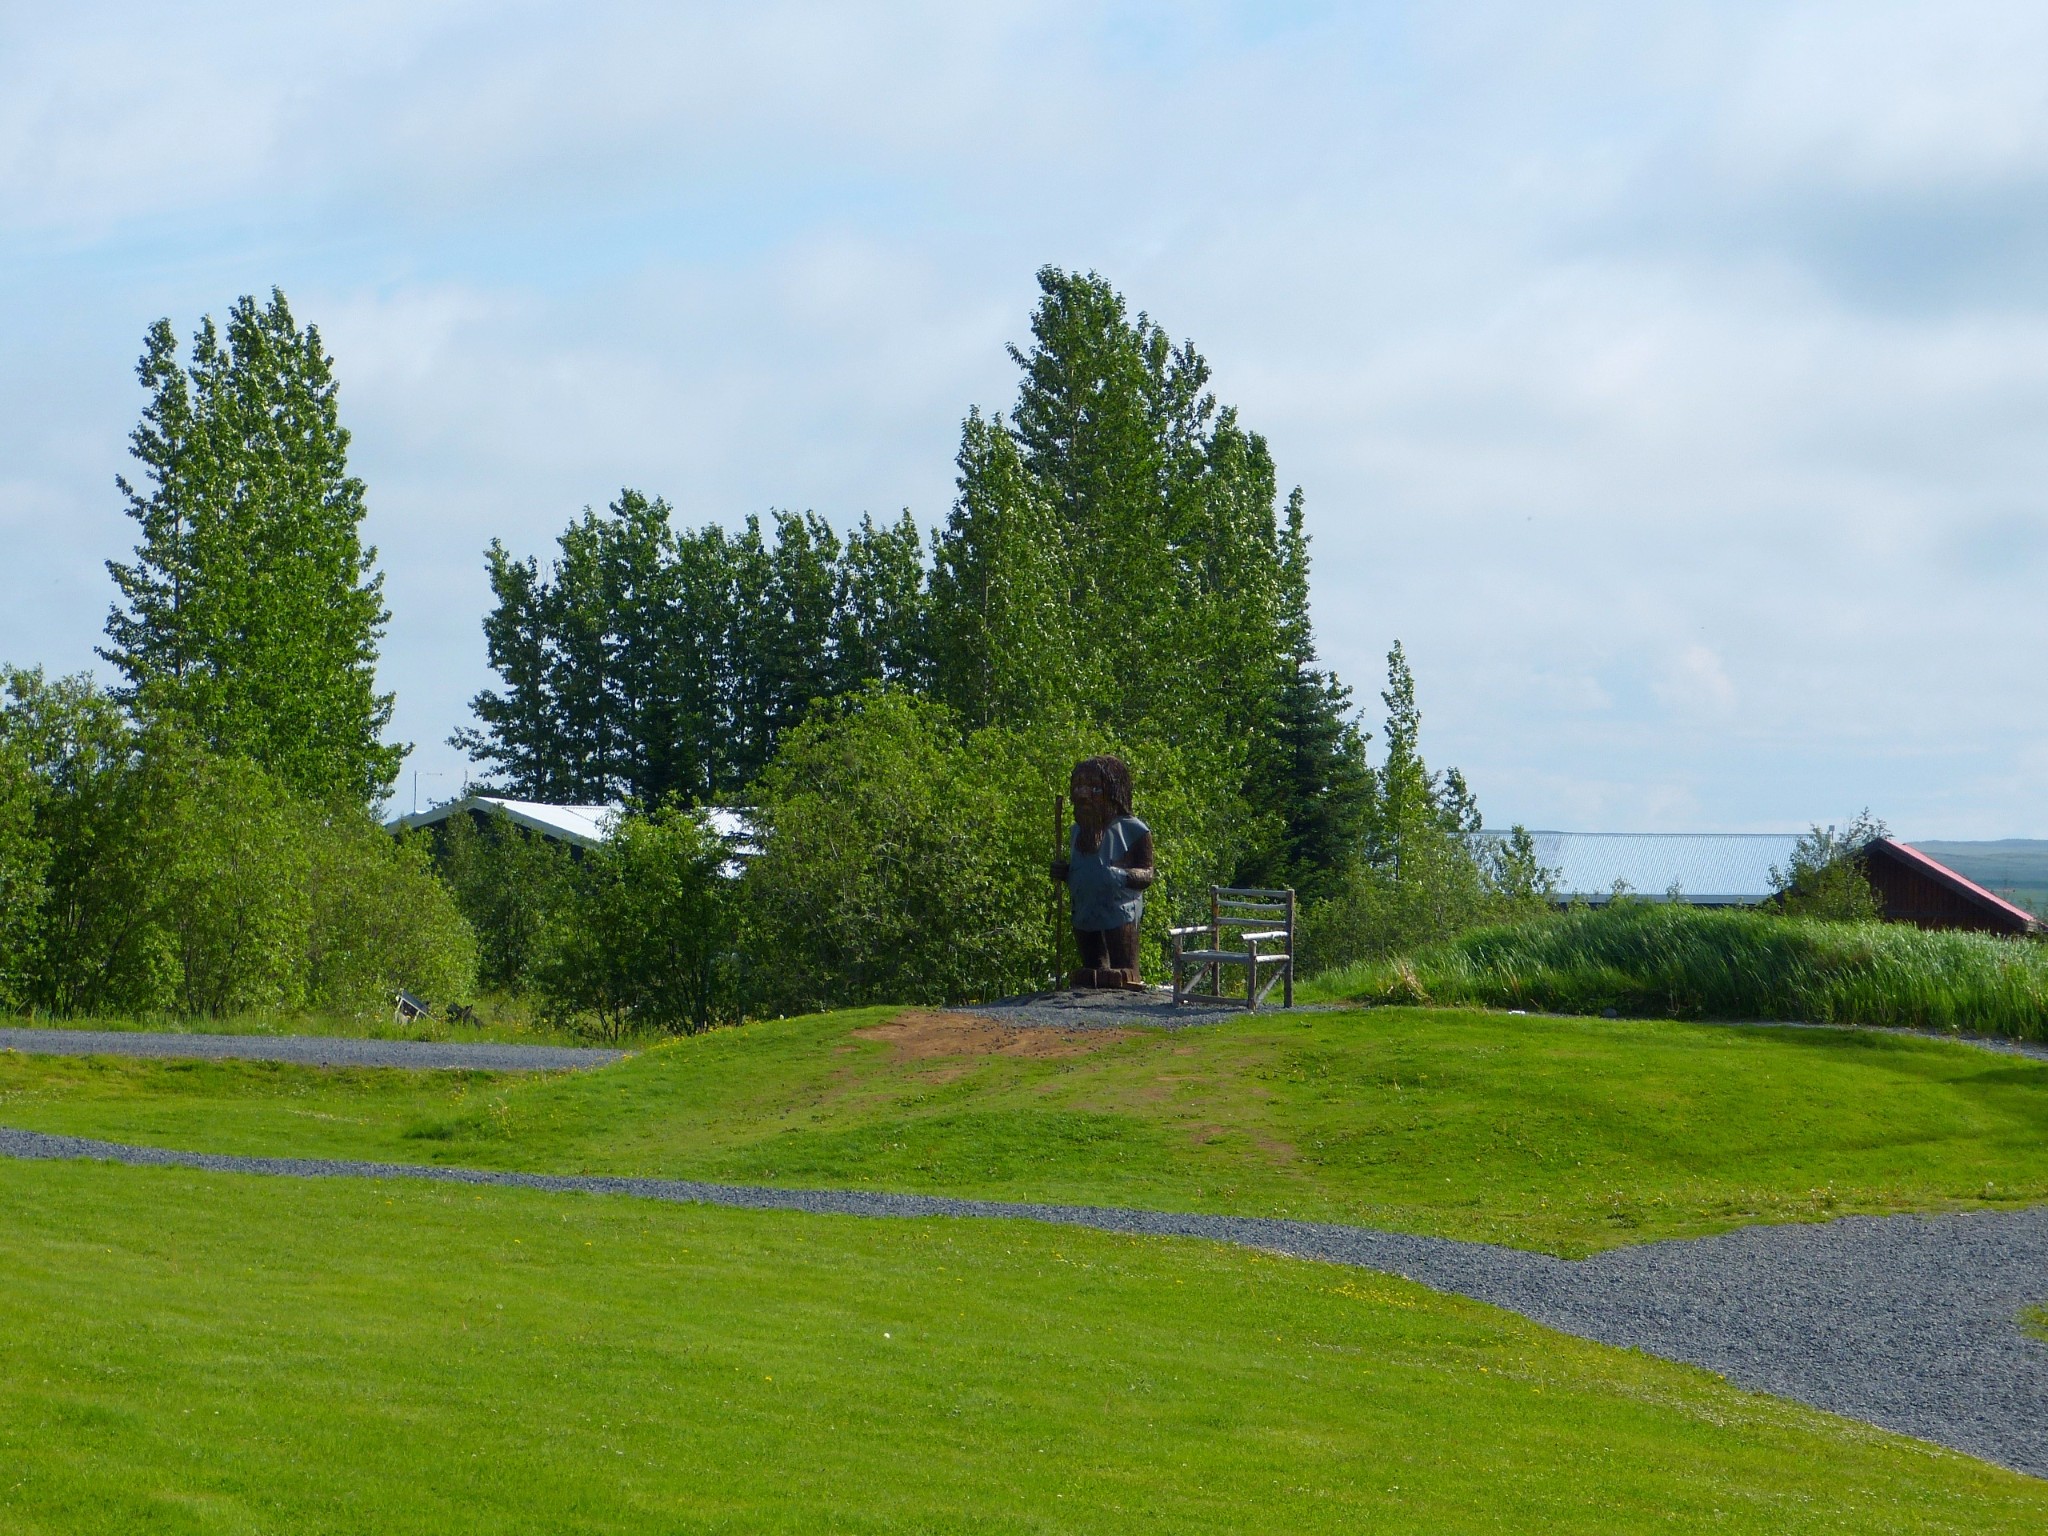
(1107, 868)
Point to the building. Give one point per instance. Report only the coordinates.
(580, 826)
(1916, 889)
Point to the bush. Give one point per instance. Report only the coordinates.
(1828, 875)
(901, 861)
(228, 865)
(24, 864)
(643, 941)
(176, 881)
(1441, 885)
(510, 885)
(381, 920)
(1653, 959)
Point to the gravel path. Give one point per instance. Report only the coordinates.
(1904, 1322)
(303, 1050)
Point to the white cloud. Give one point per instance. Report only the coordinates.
(1669, 381)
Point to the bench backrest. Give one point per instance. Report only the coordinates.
(1251, 907)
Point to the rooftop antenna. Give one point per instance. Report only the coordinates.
(416, 787)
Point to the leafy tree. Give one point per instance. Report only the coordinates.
(510, 886)
(650, 663)
(1006, 642)
(178, 880)
(1828, 877)
(643, 942)
(902, 860)
(97, 941)
(24, 862)
(229, 887)
(380, 919)
(1423, 873)
(251, 614)
(1317, 781)
(1114, 548)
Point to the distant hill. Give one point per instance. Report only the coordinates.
(2013, 867)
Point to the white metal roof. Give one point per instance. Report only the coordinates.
(584, 825)
(1709, 869)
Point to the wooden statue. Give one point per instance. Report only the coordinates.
(1106, 870)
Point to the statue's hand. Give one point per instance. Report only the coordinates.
(1138, 879)
(1059, 870)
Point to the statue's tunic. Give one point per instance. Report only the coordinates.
(1102, 898)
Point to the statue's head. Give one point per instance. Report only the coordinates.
(1101, 787)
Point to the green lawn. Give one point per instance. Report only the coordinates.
(184, 1352)
(499, 1020)
(1565, 1135)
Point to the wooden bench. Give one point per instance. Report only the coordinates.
(1251, 914)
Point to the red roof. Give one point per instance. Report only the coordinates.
(1941, 873)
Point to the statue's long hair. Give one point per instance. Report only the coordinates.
(1115, 777)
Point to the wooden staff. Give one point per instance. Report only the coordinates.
(1058, 905)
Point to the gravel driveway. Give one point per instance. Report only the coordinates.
(1904, 1322)
(303, 1050)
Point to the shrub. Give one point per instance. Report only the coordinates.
(643, 940)
(1686, 962)
(228, 888)
(510, 885)
(175, 880)
(1441, 885)
(903, 861)
(380, 919)
(24, 864)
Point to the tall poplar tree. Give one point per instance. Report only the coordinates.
(251, 613)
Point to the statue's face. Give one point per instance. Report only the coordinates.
(1090, 803)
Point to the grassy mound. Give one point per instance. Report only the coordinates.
(184, 1352)
(1669, 961)
(1559, 1134)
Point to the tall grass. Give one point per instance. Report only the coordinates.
(1685, 962)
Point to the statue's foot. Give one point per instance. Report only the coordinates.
(1082, 979)
(1130, 981)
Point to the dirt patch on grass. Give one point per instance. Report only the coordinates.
(918, 1035)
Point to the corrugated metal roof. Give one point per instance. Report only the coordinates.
(584, 825)
(1709, 869)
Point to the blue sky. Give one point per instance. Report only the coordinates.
(1669, 379)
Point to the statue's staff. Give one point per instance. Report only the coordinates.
(1059, 891)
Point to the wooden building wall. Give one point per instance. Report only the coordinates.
(1913, 894)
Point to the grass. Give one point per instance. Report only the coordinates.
(196, 1353)
(1565, 1135)
(1656, 960)
(500, 1020)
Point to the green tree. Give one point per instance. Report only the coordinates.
(380, 919)
(510, 886)
(1317, 780)
(644, 941)
(1424, 871)
(1828, 876)
(24, 864)
(251, 614)
(1114, 547)
(901, 860)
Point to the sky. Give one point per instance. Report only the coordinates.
(1669, 379)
